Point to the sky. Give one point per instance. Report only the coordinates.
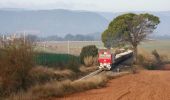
(90, 5)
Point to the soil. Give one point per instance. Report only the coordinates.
(166, 67)
(145, 85)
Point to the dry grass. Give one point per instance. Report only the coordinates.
(84, 69)
(64, 73)
(149, 57)
(149, 61)
(145, 56)
(59, 89)
(41, 74)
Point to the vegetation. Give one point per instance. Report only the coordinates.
(61, 61)
(16, 62)
(58, 89)
(18, 69)
(41, 75)
(152, 60)
(88, 54)
(51, 59)
(130, 28)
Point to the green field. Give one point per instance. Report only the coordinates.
(51, 59)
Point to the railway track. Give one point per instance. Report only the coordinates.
(91, 74)
(128, 60)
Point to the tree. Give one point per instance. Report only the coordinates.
(31, 38)
(89, 51)
(130, 28)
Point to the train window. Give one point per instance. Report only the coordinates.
(104, 56)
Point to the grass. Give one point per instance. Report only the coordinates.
(150, 61)
(41, 74)
(162, 46)
(59, 89)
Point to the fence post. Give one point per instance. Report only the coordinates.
(68, 47)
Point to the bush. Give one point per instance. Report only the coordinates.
(73, 65)
(87, 54)
(150, 61)
(16, 62)
(88, 60)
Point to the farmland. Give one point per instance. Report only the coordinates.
(74, 47)
(162, 46)
(50, 59)
(58, 65)
(71, 47)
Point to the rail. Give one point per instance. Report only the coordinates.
(101, 70)
(91, 74)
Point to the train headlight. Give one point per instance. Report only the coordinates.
(101, 64)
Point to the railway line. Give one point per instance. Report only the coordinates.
(116, 65)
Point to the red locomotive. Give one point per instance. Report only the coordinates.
(107, 59)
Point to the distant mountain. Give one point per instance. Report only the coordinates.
(51, 22)
(61, 22)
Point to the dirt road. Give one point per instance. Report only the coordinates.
(146, 85)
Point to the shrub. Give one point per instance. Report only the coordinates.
(88, 60)
(150, 61)
(73, 65)
(157, 56)
(16, 62)
(86, 53)
(41, 75)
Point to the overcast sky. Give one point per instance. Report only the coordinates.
(91, 5)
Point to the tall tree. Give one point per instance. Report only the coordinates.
(130, 28)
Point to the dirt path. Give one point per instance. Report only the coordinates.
(146, 85)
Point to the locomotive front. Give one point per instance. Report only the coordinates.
(105, 59)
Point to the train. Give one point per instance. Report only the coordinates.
(107, 59)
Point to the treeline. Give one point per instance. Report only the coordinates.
(69, 37)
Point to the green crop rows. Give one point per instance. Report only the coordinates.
(50, 59)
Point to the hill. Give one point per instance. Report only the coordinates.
(51, 22)
(61, 22)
